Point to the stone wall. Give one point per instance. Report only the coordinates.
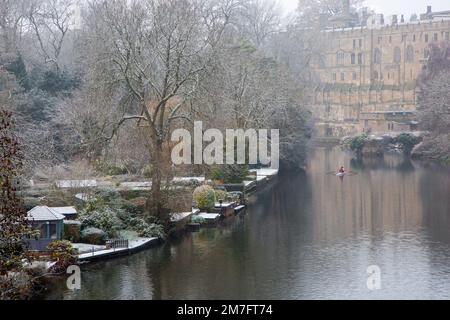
(363, 71)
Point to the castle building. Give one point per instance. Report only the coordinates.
(367, 75)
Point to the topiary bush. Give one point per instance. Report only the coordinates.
(204, 196)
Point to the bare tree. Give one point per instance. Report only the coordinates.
(258, 19)
(12, 16)
(155, 52)
(245, 89)
(50, 21)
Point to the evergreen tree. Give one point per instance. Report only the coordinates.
(13, 223)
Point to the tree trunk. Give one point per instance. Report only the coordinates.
(156, 204)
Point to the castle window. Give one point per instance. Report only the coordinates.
(409, 56)
(377, 56)
(354, 76)
(426, 37)
(397, 55)
(360, 58)
(435, 37)
(353, 58)
(404, 37)
(414, 38)
(334, 76)
(340, 57)
(447, 36)
(321, 61)
(354, 44)
(390, 39)
(342, 76)
(360, 43)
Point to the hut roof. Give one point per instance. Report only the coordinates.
(44, 213)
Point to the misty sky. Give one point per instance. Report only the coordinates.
(388, 7)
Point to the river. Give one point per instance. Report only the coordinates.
(306, 236)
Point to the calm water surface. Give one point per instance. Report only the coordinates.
(308, 236)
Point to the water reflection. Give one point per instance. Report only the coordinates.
(309, 236)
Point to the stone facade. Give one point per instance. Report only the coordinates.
(367, 76)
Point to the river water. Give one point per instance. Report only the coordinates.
(307, 236)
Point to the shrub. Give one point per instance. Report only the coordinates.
(230, 173)
(357, 143)
(93, 236)
(105, 219)
(237, 197)
(221, 195)
(198, 219)
(110, 169)
(153, 230)
(130, 194)
(217, 174)
(131, 208)
(136, 224)
(144, 229)
(204, 197)
(93, 204)
(63, 253)
(434, 148)
(408, 142)
(109, 196)
(235, 173)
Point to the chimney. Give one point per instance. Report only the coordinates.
(428, 9)
(394, 19)
(402, 20)
(346, 7)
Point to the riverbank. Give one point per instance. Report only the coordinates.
(433, 148)
(133, 246)
(377, 145)
(180, 221)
